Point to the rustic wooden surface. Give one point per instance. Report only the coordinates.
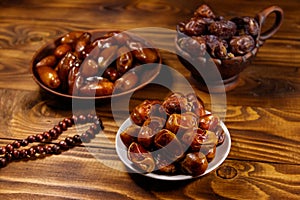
(263, 112)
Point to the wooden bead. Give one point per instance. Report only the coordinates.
(31, 152)
(9, 148)
(23, 153)
(24, 143)
(16, 144)
(39, 137)
(10, 153)
(3, 162)
(63, 145)
(31, 138)
(56, 149)
(16, 154)
(2, 150)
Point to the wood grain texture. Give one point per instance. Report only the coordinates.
(262, 113)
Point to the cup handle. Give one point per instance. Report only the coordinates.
(262, 17)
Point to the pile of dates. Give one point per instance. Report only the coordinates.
(174, 136)
(221, 38)
(81, 66)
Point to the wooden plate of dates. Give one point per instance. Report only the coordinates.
(95, 64)
(172, 140)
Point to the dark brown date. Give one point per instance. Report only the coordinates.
(107, 56)
(89, 68)
(48, 76)
(64, 66)
(126, 82)
(119, 37)
(175, 103)
(195, 27)
(241, 45)
(143, 54)
(179, 123)
(195, 46)
(209, 151)
(71, 37)
(144, 110)
(130, 134)
(194, 138)
(163, 164)
(141, 157)
(103, 42)
(73, 81)
(224, 29)
(194, 163)
(124, 60)
(198, 139)
(97, 87)
(148, 131)
(220, 134)
(216, 47)
(246, 26)
(82, 43)
(47, 61)
(204, 11)
(62, 50)
(111, 73)
(209, 122)
(156, 123)
(146, 137)
(211, 139)
(195, 104)
(168, 143)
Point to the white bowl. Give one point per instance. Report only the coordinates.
(221, 155)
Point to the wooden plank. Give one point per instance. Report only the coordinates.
(250, 127)
(64, 180)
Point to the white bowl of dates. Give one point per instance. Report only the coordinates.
(174, 139)
(207, 42)
(95, 64)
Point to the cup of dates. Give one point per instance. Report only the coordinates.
(95, 64)
(207, 44)
(173, 139)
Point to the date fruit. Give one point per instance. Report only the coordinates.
(221, 38)
(141, 157)
(182, 141)
(194, 163)
(105, 62)
(48, 76)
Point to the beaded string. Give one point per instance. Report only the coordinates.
(11, 152)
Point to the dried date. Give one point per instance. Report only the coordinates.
(49, 77)
(241, 45)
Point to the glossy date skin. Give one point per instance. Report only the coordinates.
(130, 135)
(143, 111)
(179, 123)
(181, 143)
(49, 76)
(175, 103)
(149, 130)
(194, 163)
(110, 57)
(141, 157)
(222, 38)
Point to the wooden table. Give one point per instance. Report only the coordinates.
(262, 115)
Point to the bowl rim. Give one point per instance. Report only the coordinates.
(156, 70)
